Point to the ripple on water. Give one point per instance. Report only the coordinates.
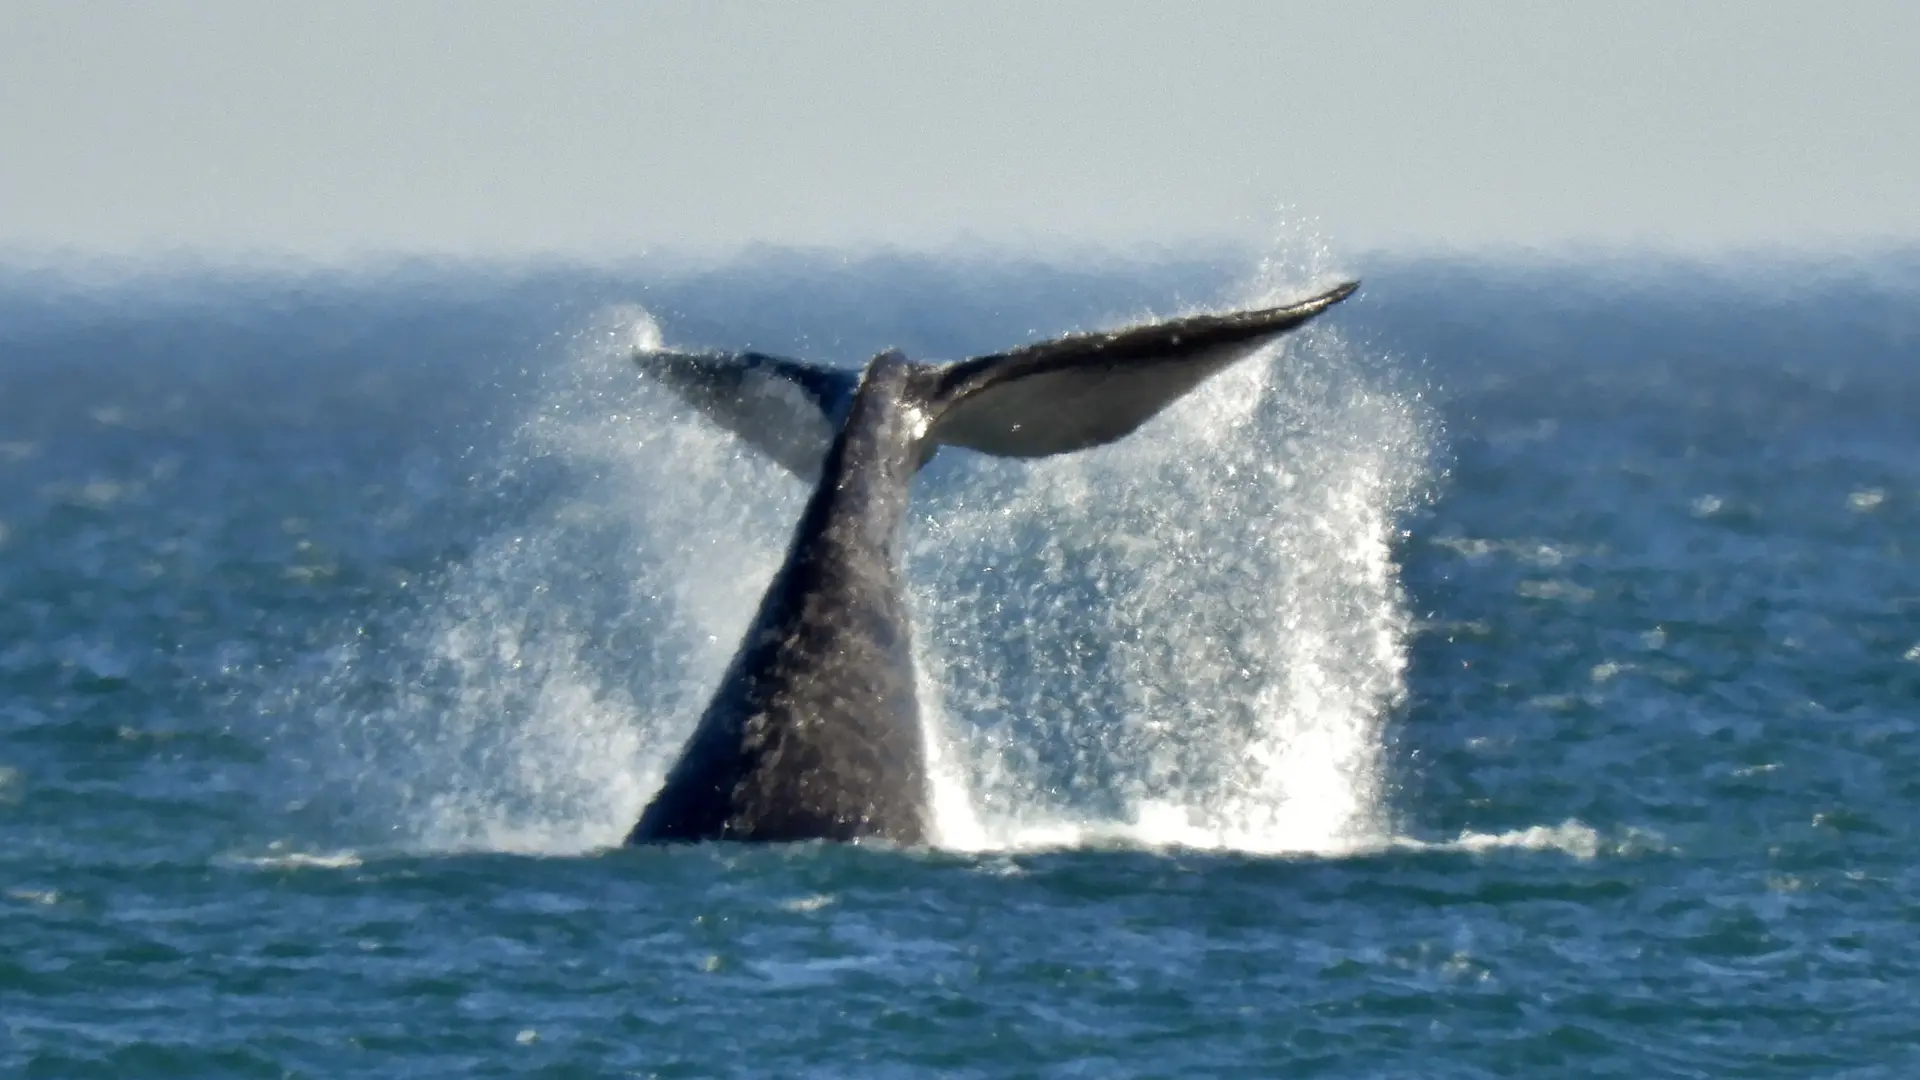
(1632, 698)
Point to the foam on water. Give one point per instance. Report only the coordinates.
(296, 860)
(1570, 837)
(1192, 637)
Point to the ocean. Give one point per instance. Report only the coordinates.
(1516, 674)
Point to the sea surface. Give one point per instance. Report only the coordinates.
(1517, 674)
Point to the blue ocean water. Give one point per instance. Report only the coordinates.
(1516, 675)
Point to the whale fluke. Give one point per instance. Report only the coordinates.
(814, 732)
(1078, 392)
(787, 409)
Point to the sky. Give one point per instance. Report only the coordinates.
(338, 131)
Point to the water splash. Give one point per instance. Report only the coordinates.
(546, 689)
(1192, 637)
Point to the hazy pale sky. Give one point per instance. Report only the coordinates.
(339, 129)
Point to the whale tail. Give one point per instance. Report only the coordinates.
(814, 731)
(1071, 393)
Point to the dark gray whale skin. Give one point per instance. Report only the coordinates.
(815, 732)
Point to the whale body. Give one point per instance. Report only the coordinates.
(814, 732)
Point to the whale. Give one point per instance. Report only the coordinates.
(814, 732)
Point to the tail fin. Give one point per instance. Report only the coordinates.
(1071, 393)
(1088, 390)
(787, 409)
